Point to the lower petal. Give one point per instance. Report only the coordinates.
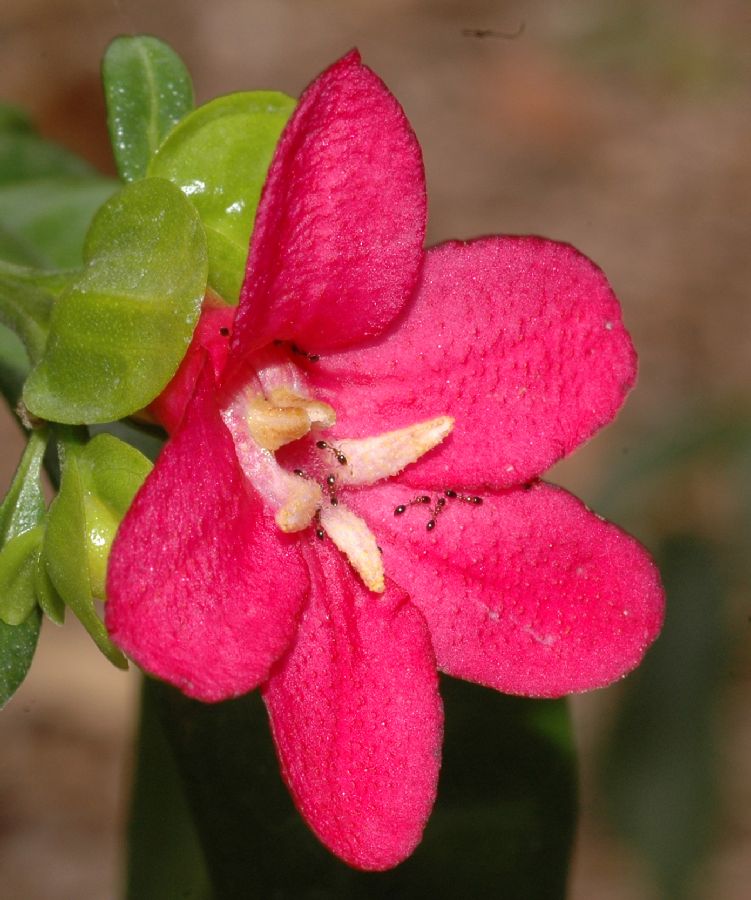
(203, 590)
(357, 718)
(529, 593)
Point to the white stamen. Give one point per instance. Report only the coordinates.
(294, 500)
(320, 414)
(353, 537)
(371, 459)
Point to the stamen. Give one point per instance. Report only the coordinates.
(352, 536)
(370, 459)
(320, 414)
(293, 497)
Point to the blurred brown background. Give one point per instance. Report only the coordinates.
(620, 127)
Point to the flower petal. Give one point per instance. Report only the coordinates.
(357, 718)
(210, 337)
(194, 588)
(338, 238)
(529, 593)
(519, 339)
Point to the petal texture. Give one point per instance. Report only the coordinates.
(519, 339)
(338, 237)
(203, 590)
(210, 337)
(530, 593)
(357, 718)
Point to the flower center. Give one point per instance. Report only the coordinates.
(274, 409)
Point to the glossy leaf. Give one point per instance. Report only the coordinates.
(23, 506)
(118, 334)
(148, 90)
(17, 646)
(18, 562)
(98, 483)
(503, 820)
(20, 512)
(219, 156)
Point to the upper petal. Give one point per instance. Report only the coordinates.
(519, 339)
(337, 243)
(357, 718)
(529, 593)
(203, 590)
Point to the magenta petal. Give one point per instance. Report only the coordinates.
(203, 590)
(338, 237)
(520, 339)
(529, 593)
(357, 718)
(211, 338)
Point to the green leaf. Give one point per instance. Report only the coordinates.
(23, 506)
(18, 562)
(118, 334)
(148, 90)
(51, 603)
(99, 481)
(25, 307)
(25, 155)
(48, 197)
(48, 217)
(503, 820)
(14, 119)
(14, 366)
(219, 156)
(20, 512)
(17, 646)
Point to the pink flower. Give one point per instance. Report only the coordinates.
(351, 496)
